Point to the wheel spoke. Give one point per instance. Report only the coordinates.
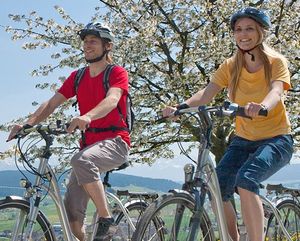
(13, 215)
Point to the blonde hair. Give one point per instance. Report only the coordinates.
(105, 43)
(264, 52)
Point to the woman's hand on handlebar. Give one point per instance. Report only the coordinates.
(173, 112)
(15, 129)
(252, 109)
(168, 112)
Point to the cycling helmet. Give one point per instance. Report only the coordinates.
(257, 15)
(97, 29)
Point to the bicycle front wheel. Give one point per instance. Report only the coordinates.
(290, 216)
(13, 217)
(173, 213)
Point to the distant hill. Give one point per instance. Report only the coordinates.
(288, 175)
(12, 179)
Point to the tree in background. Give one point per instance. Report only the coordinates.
(170, 48)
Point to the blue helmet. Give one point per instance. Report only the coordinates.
(97, 29)
(257, 15)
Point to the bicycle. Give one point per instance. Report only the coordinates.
(21, 217)
(287, 201)
(185, 214)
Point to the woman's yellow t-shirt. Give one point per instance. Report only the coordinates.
(252, 87)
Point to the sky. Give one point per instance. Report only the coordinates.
(18, 87)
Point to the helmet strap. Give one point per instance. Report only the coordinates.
(252, 55)
(98, 58)
(249, 52)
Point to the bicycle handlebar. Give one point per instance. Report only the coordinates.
(53, 128)
(240, 111)
(228, 109)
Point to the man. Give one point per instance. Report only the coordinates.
(105, 141)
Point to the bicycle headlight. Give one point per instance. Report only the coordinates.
(25, 183)
(189, 172)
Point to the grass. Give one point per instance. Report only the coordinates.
(47, 206)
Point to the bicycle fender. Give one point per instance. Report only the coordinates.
(23, 201)
(13, 198)
(278, 200)
(176, 191)
(140, 202)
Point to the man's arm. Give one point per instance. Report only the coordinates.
(109, 103)
(45, 109)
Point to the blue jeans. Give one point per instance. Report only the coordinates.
(246, 164)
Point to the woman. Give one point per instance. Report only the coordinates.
(256, 77)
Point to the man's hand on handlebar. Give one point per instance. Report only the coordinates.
(15, 129)
(80, 122)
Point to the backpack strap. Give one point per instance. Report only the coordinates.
(107, 72)
(79, 74)
(111, 128)
(106, 85)
(78, 77)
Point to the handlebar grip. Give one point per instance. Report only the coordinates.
(241, 112)
(161, 119)
(263, 112)
(181, 107)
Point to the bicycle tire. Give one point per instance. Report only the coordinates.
(135, 211)
(290, 216)
(164, 209)
(10, 209)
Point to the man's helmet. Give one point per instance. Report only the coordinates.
(257, 15)
(97, 29)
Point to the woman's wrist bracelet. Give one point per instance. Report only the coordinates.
(182, 106)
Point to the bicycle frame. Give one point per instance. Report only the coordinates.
(54, 192)
(36, 189)
(208, 167)
(205, 177)
(274, 210)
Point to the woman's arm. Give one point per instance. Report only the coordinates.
(204, 96)
(269, 102)
(274, 96)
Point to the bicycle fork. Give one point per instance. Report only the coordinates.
(25, 221)
(31, 220)
(198, 213)
(194, 220)
(20, 222)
